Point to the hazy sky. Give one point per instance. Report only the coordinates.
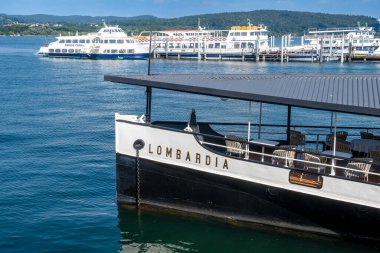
(179, 8)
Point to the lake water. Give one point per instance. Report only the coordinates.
(57, 183)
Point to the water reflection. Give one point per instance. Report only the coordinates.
(154, 230)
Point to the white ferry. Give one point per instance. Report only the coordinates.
(209, 44)
(110, 42)
(328, 186)
(360, 40)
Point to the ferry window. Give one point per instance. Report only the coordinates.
(355, 41)
(51, 50)
(244, 34)
(62, 41)
(106, 30)
(77, 50)
(71, 50)
(64, 50)
(131, 51)
(237, 33)
(236, 45)
(231, 34)
(243, 45)
(210, 45)
(120, 41)
(112, 41)
(252, 33)
(68, 41)
(217, 45)
(101, 41)
(58, 50)
(105, 41)
(82, 41)
(223, 46)
(122, 51)
(75, 41)
(87, 41)
(113, 51)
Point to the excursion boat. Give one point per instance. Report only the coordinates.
(319, 178)
(209, 44)
(110, 42)
(335, 41)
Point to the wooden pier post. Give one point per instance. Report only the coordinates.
(341, 49)
(282, 48)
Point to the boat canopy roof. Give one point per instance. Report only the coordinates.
(358, 94)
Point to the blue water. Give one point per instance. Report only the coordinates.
(57, 182)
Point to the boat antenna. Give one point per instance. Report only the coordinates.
(150, 49)
(249, 22)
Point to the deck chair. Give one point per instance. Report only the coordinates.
(284, 155)
(312, 166)
(366, 135)
(360, 169)
(235, 145)
(340, 136)
(343, 146)
(375, 155)
(297, 138)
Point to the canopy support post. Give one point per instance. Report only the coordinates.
(148, 104)
(288, 124)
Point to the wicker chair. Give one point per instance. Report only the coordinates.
(284, 155)
(235, 145)
(297, 138)
(343, 146)
(375, 155)
(312, 166)
(366, 135)
(340, 136)
(360, 169)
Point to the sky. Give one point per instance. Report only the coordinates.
(180, 8)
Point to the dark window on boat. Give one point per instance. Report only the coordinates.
(244, 34)
(237, 33)
(71, 50)
(51, 50)
(252, 33)
(113, 51)
(75, 41)
(112, 41)
(105, 41)
(77, 50)
(62, 41)
(106, 30)
(82, 41)
(236, 45)
(120, 41)
(58, 50)
(217, 45)
(244, 45)
(64, 50)
(131, 51)
(68, 41)
(122, 51)
(87, 41)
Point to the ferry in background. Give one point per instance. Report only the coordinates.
(210, 44)
(346, 40)
(110, 42)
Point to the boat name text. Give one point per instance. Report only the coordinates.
(188, 157)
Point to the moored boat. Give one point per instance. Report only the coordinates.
(191, 166)
(110, 42)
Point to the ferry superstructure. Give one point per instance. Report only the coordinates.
(110, 42)
(197, 43)
(359, 39)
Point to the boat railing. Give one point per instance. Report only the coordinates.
(298, 163)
